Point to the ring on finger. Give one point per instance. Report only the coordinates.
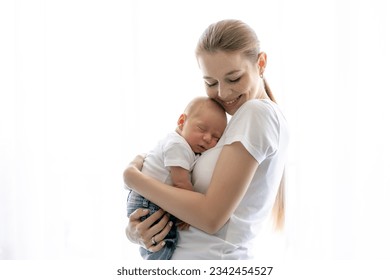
(154, 241)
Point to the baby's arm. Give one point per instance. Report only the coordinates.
(181, 178)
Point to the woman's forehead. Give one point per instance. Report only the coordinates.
(221, 63)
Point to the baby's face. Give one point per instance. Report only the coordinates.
(204, 130)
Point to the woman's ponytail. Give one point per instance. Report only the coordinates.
(268, 89)
(278, 210)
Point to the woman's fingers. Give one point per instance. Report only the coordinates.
(157, 241)
(137, 214)
(153, 236)
(138, 161)
(162, 228)
(148, 222)
(157, 247)
(134, 229)
(149, 233)
(158, 227)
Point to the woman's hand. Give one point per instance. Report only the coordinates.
(138, 161)
(134, 167)
(146, 235)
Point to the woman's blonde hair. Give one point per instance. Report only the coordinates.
(230, 36)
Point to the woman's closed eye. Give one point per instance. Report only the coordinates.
(235, 80)
(211, 84)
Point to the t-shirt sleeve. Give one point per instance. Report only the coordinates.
(256, 126)
(178, 153)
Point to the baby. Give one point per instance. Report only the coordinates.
(171, 161)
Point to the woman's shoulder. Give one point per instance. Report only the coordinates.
(258, 105)
(260, 109)
(263, 116)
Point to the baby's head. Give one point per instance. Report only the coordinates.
(202, 123)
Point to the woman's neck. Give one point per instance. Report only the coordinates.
(263, 94)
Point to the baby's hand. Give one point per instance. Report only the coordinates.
(182, 225)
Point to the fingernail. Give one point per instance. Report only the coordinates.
(170, 223)
(162, 244)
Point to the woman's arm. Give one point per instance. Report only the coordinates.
(210, 211)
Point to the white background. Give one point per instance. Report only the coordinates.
(86, 85)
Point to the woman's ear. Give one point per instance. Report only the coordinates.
(182, 119)
(262, 62)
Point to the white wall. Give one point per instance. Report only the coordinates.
(86, 85)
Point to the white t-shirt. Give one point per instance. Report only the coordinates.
(173, 150)
(261, 127)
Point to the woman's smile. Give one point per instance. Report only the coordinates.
(231, 105)
(228, 103)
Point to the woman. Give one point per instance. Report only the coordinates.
(240, 181)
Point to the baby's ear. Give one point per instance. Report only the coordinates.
(182, 119)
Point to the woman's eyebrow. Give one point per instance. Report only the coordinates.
(232, 72)
(227, 74)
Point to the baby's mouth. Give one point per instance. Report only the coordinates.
(202, 148)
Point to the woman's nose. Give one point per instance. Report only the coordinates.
(223, 92)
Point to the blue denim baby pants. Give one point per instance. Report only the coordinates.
(135, 201)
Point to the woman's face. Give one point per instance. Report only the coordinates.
(230, 79)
